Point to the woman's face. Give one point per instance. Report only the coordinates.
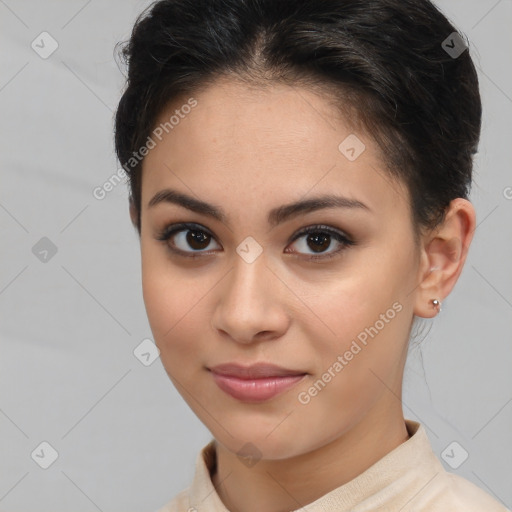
(252, 294)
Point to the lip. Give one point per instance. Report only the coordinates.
(256, 383)
(254, 371)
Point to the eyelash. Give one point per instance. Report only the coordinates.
(174, 229)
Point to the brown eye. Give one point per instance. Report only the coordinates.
(186, 239)
(319, 239)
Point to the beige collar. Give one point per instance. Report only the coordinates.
(397, 478)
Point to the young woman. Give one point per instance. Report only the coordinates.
(299, 174)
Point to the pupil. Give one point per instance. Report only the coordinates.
(316, 237)
(195, 237)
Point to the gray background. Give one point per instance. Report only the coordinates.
(125, 439)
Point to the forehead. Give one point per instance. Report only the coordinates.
(260, 144)
(229, 113)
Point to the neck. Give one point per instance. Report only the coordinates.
(289, 484)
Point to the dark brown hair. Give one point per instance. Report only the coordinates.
(387, 61)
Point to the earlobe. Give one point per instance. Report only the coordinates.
(443, 256)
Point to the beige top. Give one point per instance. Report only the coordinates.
(410, 478)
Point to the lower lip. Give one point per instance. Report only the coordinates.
(255, 390)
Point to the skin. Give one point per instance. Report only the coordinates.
(248, 151)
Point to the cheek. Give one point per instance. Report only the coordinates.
(364, 336)
(176, 302)
(365, 318)
(354, 368)
(174, 322)
(169, 297)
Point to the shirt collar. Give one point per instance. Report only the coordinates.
(394, 476)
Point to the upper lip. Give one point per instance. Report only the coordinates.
(254, 371)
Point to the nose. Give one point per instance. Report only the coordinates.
(251, 303)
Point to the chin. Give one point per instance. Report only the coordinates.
(265, 439)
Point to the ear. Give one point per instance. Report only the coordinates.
(443, 256)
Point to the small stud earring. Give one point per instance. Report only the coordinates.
(437, 304)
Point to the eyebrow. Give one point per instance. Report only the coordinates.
(276, 216)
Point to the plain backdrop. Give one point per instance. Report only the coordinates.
(71, 305)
